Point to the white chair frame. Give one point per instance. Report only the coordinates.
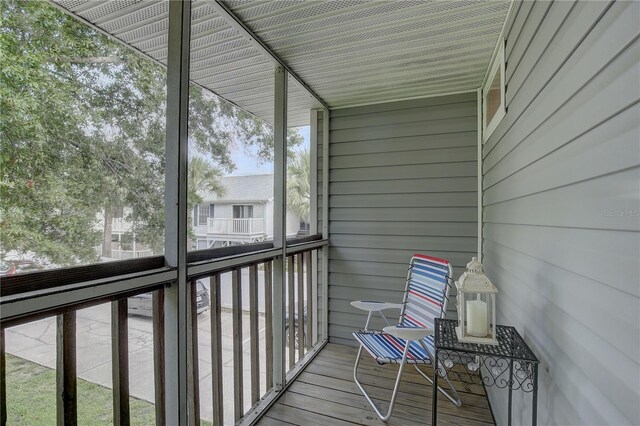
(409, 335)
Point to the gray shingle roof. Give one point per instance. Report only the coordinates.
(243, 188)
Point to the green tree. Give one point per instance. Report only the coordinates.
(299, 184)
(82, 130)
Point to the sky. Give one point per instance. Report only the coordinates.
(246, 165)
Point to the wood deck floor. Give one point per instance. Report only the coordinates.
(325, 394)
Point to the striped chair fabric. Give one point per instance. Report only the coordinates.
(424, 299)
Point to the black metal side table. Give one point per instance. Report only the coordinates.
(509, 364)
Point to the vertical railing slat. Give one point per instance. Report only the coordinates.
(310, 314)
(120, 361)
(216, 350)
(193, 378)
(300, 305)
(253, 331)
(236, 297)
(291, 310)
(158, 354)
(66, 386)
(3, 381)
(268, 324)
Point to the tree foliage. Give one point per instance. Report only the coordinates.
(299, 183)
(82, 128)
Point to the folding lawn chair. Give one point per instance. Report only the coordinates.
(411, 341)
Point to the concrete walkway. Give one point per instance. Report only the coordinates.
(36, 342)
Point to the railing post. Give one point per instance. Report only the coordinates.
(216, 350)
(193, 380)
(236, 308)
(66, 385)
(291, 305)
(3, 381)
(254, 333)
(158, 355)
(268, 322)
(120, 361)
(300, 309)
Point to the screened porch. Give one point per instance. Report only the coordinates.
(503, 130)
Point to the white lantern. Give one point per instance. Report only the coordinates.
(476, 303)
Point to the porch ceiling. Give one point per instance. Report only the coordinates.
(348, 52)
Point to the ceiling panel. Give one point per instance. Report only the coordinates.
(349, 52)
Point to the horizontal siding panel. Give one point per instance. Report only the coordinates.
(580, 297)
(422, 157)
(354, 293)
(568, 349)
(604, 256)
(458, 229)
(464, 184)
(432, 214)
(551, 24)
(409, 143)
(613, 88)
(396, 117)
(401, 256)
(516, 29)
(452, 169)
(567, 165)
(403, 179)
(422, 244)
(427, 127)
(567, 39)
(561, 200)
(607, 202)
(537, 14)
(457, 199)
(403, 105)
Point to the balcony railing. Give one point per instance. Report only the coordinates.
(281, 319)
(119, 224)
(231, 226)
(125, 254)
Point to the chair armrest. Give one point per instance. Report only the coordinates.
(408, 333)
(369, 305)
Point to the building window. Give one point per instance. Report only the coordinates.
(493, 94)
(242, 212)
(203, 212)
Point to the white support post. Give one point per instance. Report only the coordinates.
(279, 224)
(175, 246)
(325, 223)
(479, 95)
(313, 229)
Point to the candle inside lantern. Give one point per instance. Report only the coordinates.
(476, 318)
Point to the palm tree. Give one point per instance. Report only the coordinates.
(298, 183)
(203, 177)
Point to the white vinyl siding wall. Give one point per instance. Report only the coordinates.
(561, 198)
(403, 179)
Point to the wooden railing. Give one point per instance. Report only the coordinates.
(231, 226)
(298, 337)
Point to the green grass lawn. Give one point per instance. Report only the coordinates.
(31, 398)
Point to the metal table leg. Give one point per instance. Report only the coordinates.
(434, 404)
(534, 415)
(510, 390)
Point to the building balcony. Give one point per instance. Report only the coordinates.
(249, 227)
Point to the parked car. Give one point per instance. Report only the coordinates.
(7, 268)
(295, 326)
(141, 304)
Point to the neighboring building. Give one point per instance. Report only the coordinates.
(243, 214)
(119, 227)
